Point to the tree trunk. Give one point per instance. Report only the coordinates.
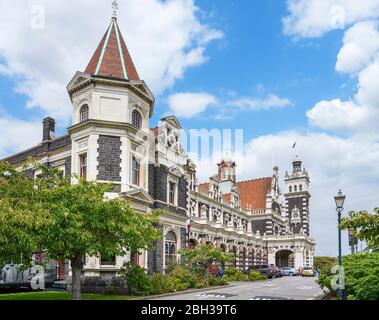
(77, 268)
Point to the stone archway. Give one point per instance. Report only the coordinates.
(284, 258)
(193, 243)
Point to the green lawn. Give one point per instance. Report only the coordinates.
(58, 296)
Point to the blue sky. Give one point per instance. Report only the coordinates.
(282, 71)
(255, 53)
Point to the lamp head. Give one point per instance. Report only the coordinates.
(340, 200)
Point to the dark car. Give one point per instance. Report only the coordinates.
(277, 270)
(264, 269)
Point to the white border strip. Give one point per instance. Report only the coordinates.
(104, 47)
(120, 50)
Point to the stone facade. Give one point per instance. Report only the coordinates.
(247, 218)
(109, 158)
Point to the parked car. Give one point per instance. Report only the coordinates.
(278, 272)
(308, 272)
(264, 269)
(289, 271)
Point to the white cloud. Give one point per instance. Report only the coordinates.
(271, 101)
(314, 18)
(189, 105)
(361, 46)
(338, 115)
(368, 93)
(165, 38)
(17, 135)
(333, 163)
(358, 57)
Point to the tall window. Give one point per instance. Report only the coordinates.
(295, 189)
(170, 248)
(135, 172)
(172, 192)
(83, 162)
(84, 113)
(301, 187)
(290, 189)
(136, 119)
(107, 260)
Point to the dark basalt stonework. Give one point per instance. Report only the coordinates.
(41, 149)
(158, 190)
(109, 158)
(155, 257)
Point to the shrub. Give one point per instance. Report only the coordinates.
(361, 277)
(256, 276)
(201, 285)
(182, 275)
(233, 274)
(161, 283)
(217, 282)
(138, 281)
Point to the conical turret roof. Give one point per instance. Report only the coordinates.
(112, 58)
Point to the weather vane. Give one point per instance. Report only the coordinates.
(115, 8)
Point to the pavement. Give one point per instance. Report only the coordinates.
(285, 288)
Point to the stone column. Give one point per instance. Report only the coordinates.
(271, 257)
(299, 258)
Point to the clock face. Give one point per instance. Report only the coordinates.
(295, 215)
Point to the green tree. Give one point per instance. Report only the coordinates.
(205, 256)
(324, 263)
(22, 217)
(367, 226)
(361, 276)
(69, 221)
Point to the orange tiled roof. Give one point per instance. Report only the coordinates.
(204, 186)
(254, 192)
(112, 58)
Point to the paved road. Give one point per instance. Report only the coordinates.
(294, 288)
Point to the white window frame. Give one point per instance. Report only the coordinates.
(176, 182)
(80, 155)
(140, 182)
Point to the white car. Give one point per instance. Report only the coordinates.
(288, 271)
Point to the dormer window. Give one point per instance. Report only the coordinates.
(136, 119)
(84, 113)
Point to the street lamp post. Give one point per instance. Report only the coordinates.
(340, 199)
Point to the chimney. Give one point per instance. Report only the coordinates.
(48, 129)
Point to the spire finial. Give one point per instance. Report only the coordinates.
(115, 8)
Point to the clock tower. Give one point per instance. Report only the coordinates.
(297, 198)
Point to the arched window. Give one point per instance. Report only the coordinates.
(136, 119)
(301, 187)
(170, 248)
(84, 113)
(290, 188)
(295, 188)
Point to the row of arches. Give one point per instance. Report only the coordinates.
(244, 256)
(296, 188)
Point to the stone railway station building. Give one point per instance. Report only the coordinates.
(111, 141)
